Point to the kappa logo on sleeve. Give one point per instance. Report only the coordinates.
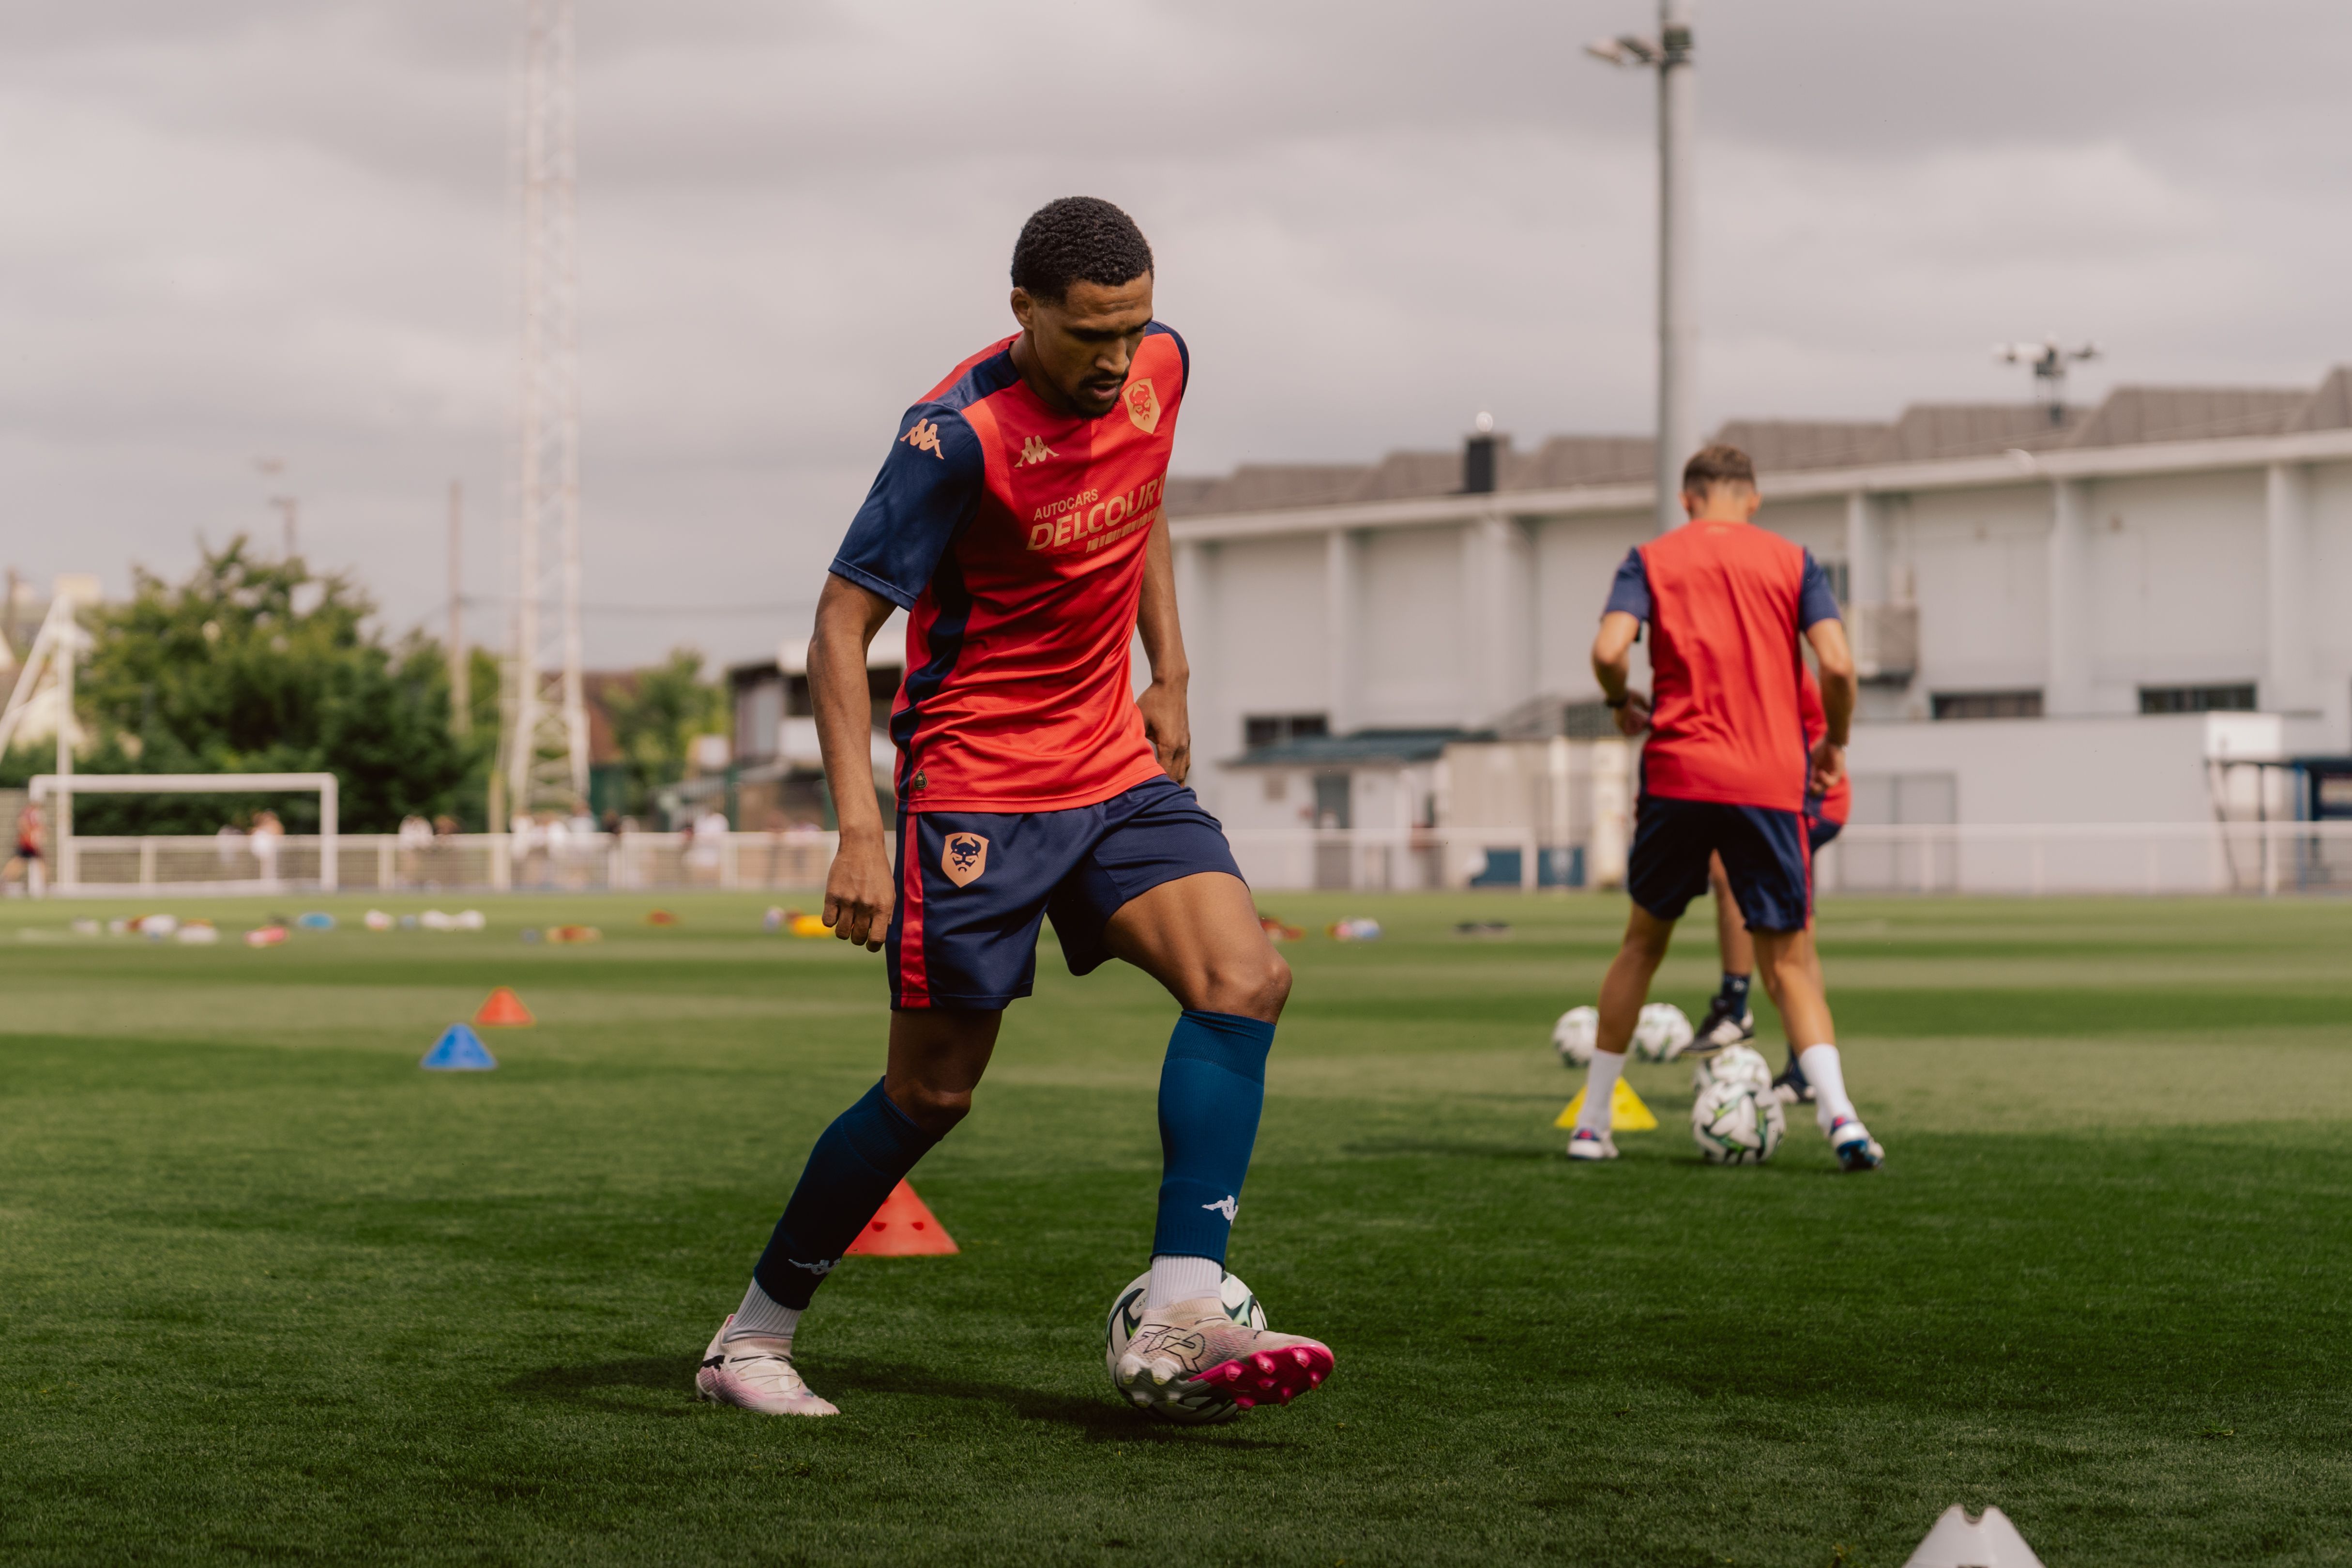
(924, 436)
(964, 858)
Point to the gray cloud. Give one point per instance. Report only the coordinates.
(264, 226)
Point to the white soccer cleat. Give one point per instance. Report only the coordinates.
(756, 1373)
(1585, 1144)
(1856, 1148)
(1185, 1352)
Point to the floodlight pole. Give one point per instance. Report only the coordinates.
(1678, 270)
(1670, 55)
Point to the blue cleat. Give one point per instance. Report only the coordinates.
(1856, 1148)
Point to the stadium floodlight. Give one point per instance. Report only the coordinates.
(2048, 360)
(1670, 56)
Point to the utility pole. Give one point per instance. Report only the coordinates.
(461, 691)
(289, 513)
(1670, 53)
(543, 748)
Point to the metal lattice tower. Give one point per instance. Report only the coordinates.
(544, 748)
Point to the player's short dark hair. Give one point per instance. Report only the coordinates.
(1717, 465)
(1077, 239)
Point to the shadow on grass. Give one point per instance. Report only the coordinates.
(1096, 1420)
(596, 1385)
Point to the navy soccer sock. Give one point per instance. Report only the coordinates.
(1212, 1088)
(869, 1148)
(1735, 993)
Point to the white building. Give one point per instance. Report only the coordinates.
(2047, 610)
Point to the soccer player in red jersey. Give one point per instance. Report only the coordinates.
(1728, 1020)
(1017, 520)
(1726, 770)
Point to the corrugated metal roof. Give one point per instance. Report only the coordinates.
(1926, 432)
(1346, 750)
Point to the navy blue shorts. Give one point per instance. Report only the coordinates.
(1765, 857)
(1819, 830)
(974, 885)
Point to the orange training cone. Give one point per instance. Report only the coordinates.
(504, 1010)
(905, 1228)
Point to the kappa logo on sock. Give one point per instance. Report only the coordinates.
(964, 858)
(819, 1269)
(1228, 1206)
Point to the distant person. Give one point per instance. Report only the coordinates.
(1726, 771)
(264, 840)
(1729, 1018)
(229, 844)
(1018, 522)
(27, 863)
(414, 837)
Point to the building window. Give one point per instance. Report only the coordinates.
(1987, 704)
(1273, 729)
(1841, 579)
(2196, 699)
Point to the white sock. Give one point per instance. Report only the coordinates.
(1599, 1091)
(1828, 1079)
(761, 1315)
(1178, 1279)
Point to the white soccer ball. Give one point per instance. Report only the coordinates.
(1241, 1305)
(1733, 1064)
(1574, 1035)
(1736, 1124)
(1663, 1033)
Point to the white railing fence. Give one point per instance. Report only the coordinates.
(2027, 859)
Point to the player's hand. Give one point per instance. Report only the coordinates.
(859, 890)
(1634, 716)
(1829, 766)
(1170, 727)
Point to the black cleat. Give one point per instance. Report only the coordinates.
(1722, 1027)
(1791, 1084)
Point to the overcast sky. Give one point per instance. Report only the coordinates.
(279, 228)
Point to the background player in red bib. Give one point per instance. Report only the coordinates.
(1729, 1020)
(1017, 520)
(1728, 770)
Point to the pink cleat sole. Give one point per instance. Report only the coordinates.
(1269, 1377)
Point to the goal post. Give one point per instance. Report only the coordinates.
(63, 787)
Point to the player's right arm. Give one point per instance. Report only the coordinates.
(928, 490)
(859, 888)
(1613, 650)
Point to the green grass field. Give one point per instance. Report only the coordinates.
(267, 1292)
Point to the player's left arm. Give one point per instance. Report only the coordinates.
(1818, 615)
(1165, 718)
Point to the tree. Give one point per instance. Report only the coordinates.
(657, 715)
(253, 666)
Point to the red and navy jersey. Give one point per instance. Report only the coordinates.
(1015, 537)
(1838, 804)
(1725, 603)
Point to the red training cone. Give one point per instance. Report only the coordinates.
(504, 1010)
(905, 1228)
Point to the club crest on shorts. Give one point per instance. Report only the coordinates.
(1143, 405)
(964, 858)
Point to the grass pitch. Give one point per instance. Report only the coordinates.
(270, 1292)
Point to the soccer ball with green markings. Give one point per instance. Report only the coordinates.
(1242, 1306)
(1574, 1035)
(1735, 1122)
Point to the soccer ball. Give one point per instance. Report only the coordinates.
(1663, 1033)
(1573, 1036)
(1733, 1064)
(1736, 1124)
(1242, 1306)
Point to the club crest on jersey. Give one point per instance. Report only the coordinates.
(924, 436)
(964, 858)
(1033, 450)
(1143, 405)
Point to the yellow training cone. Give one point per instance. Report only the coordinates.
(1626, 1112)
